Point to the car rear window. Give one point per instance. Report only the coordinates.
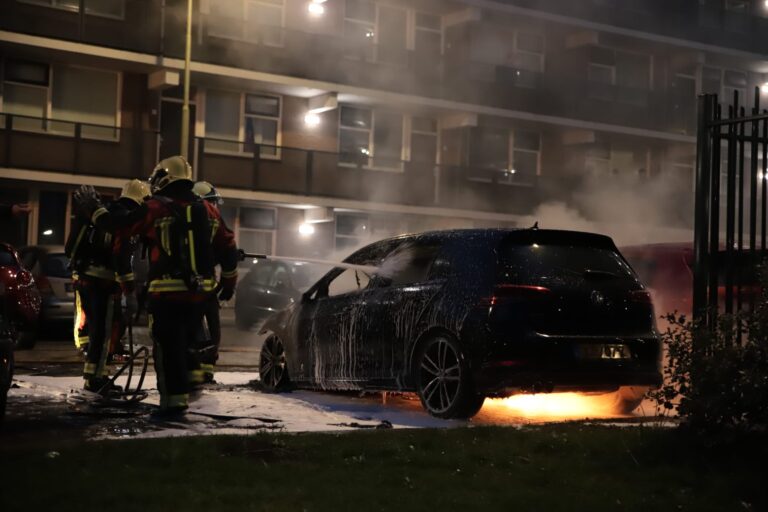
(539, 262)
(56, 265)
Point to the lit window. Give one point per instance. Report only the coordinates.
(370, 138)
(256, 231)
(259, 123)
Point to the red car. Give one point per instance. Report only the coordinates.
(667, 270)
(19, 309)
(20, 297)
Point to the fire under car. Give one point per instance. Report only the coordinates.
(458, 316)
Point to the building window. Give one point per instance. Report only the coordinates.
(528, 52)
(602, 159)
(428, 35)
(256, 116)
(39, 92)
(352, 230)
(256, 231)
(741, 6)
(370, 138)
(360, 29)
(255, 21)
(616, 67)
(423, 140)
(104, 8)
(506, 156)
(53, 217)
(262, 121)
(724, 83)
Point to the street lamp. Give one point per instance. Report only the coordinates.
(185, 106)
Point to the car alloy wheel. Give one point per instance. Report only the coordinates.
(440, 376)
(273, 370)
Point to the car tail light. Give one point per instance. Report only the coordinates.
(507, 291)
(44, 285)
(642, 296)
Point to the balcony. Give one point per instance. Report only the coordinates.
(136, 27)
(89, 150)
(77, 148)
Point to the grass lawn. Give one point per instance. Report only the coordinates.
(548, 468)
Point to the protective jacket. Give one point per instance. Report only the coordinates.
(91, 248)
(186, 238)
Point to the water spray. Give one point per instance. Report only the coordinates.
(369, 269)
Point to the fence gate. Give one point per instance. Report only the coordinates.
(730, 211)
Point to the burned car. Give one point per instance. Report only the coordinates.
(458, 316)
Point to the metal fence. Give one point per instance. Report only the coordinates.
(730, 209)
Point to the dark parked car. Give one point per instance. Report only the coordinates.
(458, 316)
(268, 287)
(50, 268)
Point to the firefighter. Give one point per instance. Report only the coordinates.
(96, 273)
(210, 336)
(183, 233)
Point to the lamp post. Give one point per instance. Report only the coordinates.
(185, 107)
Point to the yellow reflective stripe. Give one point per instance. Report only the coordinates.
(195, 376)
(101, 273)
(178, 285)
(98, 213)
(78, 321)
(176, 401)
(214, 228)
(191, 240)
(229, 274)
(89, 368)
(206, 368)
(125, 278)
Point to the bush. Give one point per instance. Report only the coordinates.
(721, 380)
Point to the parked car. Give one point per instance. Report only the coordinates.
(268, 287)
(50, 269)
(667, 271)
(19, 298)
(458, 316)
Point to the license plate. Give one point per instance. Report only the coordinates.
(603, 351)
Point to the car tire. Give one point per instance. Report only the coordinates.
(273, 370)
(629, 398)
(6, 377)
(443, 379)
(25, 340)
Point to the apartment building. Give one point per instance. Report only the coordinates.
(328, 123)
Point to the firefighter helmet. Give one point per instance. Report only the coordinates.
(208, 192)
(135, 190)
(175, 168)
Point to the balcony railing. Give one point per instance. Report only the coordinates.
(95, 150)
(78, 148)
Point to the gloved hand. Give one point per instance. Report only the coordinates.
(87, 200)
(226, 293)
(131, 305)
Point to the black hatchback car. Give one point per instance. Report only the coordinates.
(461, 315)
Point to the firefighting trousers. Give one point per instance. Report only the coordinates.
(174, 326)
(209, 337)
(99, 301)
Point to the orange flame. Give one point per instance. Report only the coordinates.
(554, 406)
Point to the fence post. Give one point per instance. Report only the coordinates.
(308, 173)
(76, 155)
(702, 206)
